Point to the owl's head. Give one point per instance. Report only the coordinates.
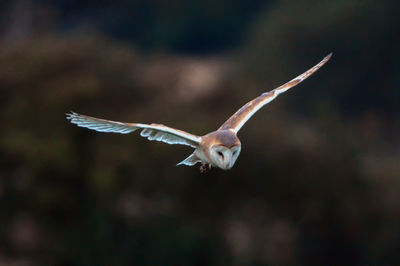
(223, 148)
(224, 157)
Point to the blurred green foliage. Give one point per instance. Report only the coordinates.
(318, 177)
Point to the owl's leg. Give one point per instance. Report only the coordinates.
(205, 168)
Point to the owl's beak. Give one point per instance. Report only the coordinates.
(227, 162)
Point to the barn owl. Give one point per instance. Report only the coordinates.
(219, 148)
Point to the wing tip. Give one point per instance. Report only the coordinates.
(71, 114)
(328, 56)
(72, 117)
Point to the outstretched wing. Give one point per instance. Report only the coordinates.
(156, 132)
(237, 120)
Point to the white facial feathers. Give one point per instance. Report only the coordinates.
(219, 148)
(224, 157)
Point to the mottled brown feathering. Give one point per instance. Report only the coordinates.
(237, 120)
(225, 138)
(219, 148)
(244, 111)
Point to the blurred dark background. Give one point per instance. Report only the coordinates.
(318, 179)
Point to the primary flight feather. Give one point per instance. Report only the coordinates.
(219, 148)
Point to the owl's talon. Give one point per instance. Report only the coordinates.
(205, 168)
(219, 148)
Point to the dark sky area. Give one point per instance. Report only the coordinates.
(193, 27)
(317, 180)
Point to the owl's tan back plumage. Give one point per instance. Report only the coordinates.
(219, 148)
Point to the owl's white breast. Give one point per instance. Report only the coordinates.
(202, 155)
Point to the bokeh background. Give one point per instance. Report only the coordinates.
(318, 178)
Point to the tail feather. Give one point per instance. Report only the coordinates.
(190, 161)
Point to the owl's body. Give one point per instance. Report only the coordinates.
(219, 148)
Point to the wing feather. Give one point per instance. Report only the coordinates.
(155, 132)
(238, 119)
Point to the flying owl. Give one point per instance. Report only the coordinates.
(219, 148)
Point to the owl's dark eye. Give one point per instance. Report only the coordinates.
(221, 154)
